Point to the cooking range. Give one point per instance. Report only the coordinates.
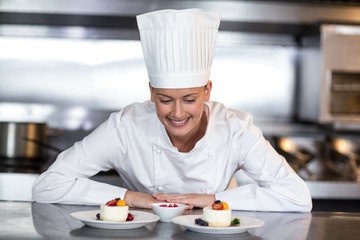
(17, 176)
(20, 165)
(24, 154)
(322, 157)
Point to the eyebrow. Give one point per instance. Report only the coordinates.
(188, 95)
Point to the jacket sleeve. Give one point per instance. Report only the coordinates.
(276, 186)
(67, 179)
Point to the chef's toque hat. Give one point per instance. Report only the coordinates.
(178, 46)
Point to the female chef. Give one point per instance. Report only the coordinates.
(178, 146)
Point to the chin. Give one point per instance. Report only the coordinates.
(178, 132)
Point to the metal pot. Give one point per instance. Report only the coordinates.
(14, 140)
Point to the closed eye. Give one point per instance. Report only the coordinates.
(165, 100)
(189, 100)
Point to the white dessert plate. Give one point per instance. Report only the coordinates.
(140, 220)
(246, 223)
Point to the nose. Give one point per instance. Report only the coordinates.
(178, 109)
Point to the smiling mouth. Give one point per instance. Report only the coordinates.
(179, 123)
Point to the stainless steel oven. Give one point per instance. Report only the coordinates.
(330, 77)
(344, 94)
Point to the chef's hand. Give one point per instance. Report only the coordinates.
(139, 199)
(190, 199)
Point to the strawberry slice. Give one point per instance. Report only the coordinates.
(111, 203)
(217, 206)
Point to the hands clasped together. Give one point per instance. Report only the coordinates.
(144, 200)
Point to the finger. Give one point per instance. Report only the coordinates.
(160, 198)
(182, 200)
(165, 196)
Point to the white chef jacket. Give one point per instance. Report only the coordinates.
(135, 144)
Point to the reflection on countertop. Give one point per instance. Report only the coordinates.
(26, 220)
(53, 221)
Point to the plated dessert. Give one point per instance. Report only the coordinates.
(217, 215)
(115, 210)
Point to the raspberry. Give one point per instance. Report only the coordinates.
(170, 205)
(130, 217)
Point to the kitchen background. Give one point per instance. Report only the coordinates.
(295, 65)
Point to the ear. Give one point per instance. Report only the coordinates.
(152, 93)
(208, 88)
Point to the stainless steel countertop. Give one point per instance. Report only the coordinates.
(345, 190)
(26, 220)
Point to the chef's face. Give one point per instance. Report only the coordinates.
(180, 110)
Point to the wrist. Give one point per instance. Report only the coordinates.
(128, 198)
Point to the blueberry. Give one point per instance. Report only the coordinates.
(201, 222)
